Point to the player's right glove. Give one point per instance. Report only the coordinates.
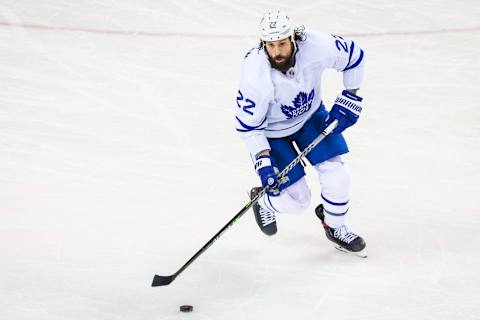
(267, 173)
(346, 110)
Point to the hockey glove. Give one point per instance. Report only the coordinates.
(268, 174)
(346, 110)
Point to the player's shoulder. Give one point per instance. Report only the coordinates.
(255, 59)
(317, 47)
(255, 65)
(316, 39)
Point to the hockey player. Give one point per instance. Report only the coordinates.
(279, 104)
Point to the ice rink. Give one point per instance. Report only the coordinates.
(119, 159)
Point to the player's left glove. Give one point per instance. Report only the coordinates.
(267, 172)
(346, 110)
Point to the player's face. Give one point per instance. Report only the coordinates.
(279, 52)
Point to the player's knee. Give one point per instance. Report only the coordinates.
(294, 199)
(300, 195)
(335, 177)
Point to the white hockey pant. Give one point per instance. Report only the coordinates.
(335, 182)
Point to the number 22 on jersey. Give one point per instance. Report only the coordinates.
(340, 43)
(244, 103)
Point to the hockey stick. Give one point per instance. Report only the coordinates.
(166, 280)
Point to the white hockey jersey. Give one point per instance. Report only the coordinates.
(271, 104)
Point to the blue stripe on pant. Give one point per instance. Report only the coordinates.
(335, 214)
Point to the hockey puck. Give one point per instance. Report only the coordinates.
(186, 308)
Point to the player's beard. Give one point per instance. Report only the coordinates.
(283, 65)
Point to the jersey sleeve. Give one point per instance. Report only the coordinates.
(350, 60)
(343, 55)
(253, 98)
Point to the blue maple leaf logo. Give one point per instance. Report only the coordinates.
(300, 99)
(288, 111)
(301, 104)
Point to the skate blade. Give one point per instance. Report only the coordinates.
(360, 254)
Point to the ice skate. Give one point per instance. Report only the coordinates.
(265, 219)
(344, 239)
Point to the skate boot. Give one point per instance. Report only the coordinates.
(346, 240)
(265, 219)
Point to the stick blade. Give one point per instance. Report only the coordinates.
(162, 280)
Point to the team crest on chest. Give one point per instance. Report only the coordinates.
(301, 104)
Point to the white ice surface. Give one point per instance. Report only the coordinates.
(119, 160)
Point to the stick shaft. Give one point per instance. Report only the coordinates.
(284, 172)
